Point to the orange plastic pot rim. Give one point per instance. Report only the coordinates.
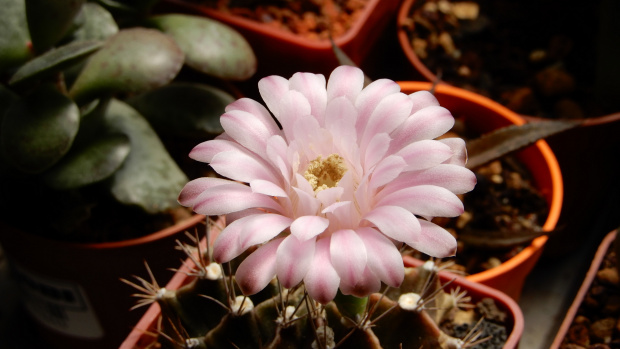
(557, 191)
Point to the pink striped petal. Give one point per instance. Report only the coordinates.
(226, 245)
(243, 167)
(421, 100)
(370, 97)
(391, 112)
(424, 154)
(386, 171)
(340, 118)
(368, 283)
(345, 81)
(425, 200)
(435, 241)
(276, 154)
(205, 151)
(322, 280)
(258, 110)
(455, 178)
(330, 195)
(292, 107)
(232, 197)
(457, 146)
(384, 259)
(294, 259)
(248, 130)
(313, 87)
(395, 222)
(267, 188)
(348, 255)
(272, 89)
(192, 189)
(377, 147)
(258, 269)
(261, 228)
(308, 227)
(428, 123)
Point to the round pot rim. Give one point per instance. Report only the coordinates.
(405, 43)
(557, 192)
(288, 37)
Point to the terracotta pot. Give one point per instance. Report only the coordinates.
(599, 256)
(73, 291)
(140, 338)
(283, 53)
(405, 42)
(481, 115)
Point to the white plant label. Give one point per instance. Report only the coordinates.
(59, 304)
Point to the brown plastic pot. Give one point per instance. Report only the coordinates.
(599, 256)
(73, 292)
(482, 115)
(142, 335)
(283, 53)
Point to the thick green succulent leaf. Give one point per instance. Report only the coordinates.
(149, 177)
(133, 60)
(55, 60)
(39, 129)
(210, 46)
(90, 164)
(50, 21)
(184, 109)
(495, 144)
(14, 36)
(98, 23)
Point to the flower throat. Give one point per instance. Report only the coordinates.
(323, 174)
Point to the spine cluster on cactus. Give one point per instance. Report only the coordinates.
(209, 312)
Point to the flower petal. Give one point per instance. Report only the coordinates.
(368, 283)
(384, 259)
(232, 197)
(261, 228)
(258, 110)
(422, 99)
(313, 87)
(307, 227)
(435, 241)
(424, 154)
(386, 171)
(427, 123)
(248, 130)
(391, 112)
(369, 99)
(345, 81)
(340, 118)
(205, 151)
(272, 89)
(377, 147)
(267, 188)
(455, 178)
(457, 146)
(226, 245)
(348, 255)
(258, 269)
(395, 222)
(192, 189)
(425, 200)
(293, 106)
(294, 259)
(322, 280)
(228, 164)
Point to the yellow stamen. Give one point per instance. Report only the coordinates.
(323, 174)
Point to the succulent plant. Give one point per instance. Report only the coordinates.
(91, 89)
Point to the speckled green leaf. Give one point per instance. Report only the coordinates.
(90, 164)
(184, 109)
(149, 177)
(98, 23)
(55, 60)
(39, 129)
(14, 36)
(133, 60)
(210, 46)
(49, 21)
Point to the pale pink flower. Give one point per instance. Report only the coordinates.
(330, 196)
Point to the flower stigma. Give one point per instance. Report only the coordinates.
(323, 174)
